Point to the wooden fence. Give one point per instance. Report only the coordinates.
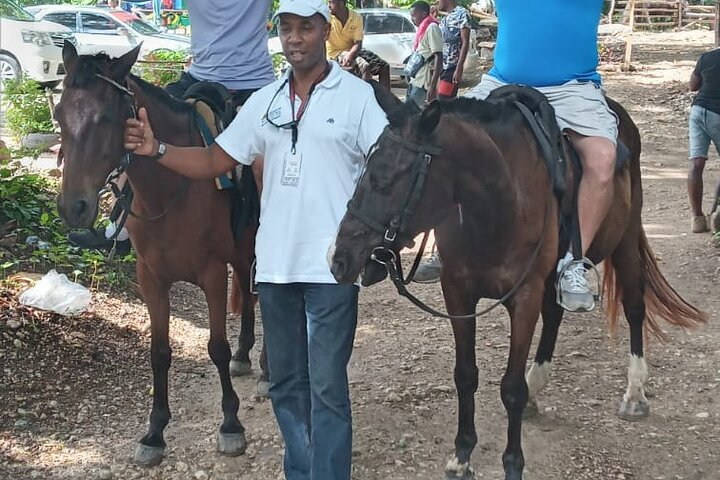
(663, 14)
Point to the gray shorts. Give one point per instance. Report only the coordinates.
(704, 127)
(579, 106)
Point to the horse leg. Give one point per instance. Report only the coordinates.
(240, 364)
(523, 308)
(629, 276)
(151, 449)
(539, 374)
(231, 439)
(466, 383)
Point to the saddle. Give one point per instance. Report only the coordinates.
(214, 110)
(560, 157)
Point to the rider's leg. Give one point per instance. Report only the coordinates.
(597, 155)
(695, 184)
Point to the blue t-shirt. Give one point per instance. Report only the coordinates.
(547, 43)
(229, 42)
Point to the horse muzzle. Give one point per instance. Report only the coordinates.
(78, 211)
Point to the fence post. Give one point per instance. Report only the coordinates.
(629, 39)
(716, 27)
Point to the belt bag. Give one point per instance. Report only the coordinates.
(413, 64)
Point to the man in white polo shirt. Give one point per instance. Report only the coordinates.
(314, 127)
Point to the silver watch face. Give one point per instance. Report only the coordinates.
(161, 149)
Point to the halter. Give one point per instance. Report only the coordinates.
(385, 254)
(398, 223)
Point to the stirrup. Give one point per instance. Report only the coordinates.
(590, 267)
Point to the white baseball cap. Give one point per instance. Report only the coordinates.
(303, 8)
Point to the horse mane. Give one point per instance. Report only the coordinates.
(474, 110)
(89, 66)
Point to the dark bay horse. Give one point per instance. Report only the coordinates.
(180, 228)
(487, 193)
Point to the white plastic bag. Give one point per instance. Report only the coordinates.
(54, 292)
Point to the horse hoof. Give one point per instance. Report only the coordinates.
(633, 411)
(240, 369)
(531, 410)
(147, 456)
(263, 389)
(455, 470)
(231, 444)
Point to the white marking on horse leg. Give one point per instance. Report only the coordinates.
(460, 212)
(637, 376)
(457, 469)
(537, 377)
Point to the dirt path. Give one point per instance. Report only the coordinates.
(81, 420)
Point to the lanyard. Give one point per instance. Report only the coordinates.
(303, 104)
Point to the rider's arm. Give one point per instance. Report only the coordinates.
(192, 162)
(437, 70)
(465, 38)
(352, 53)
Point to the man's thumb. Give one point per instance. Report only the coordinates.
(142, 116)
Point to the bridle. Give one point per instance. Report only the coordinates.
(124, 196)
(396, 235)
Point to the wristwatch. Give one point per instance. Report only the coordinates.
(160, 151)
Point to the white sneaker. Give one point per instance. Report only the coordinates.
(573, 287)
(429, 270)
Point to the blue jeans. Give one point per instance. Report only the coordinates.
(309, 331)
(704, 126)
(417, 95)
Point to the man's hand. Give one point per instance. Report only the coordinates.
(139, 137)
(457, 76)
(347, 60)
(431, 94)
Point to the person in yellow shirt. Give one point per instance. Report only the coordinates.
(344, 44)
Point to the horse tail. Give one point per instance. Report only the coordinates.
(236, 298)
(661, 299)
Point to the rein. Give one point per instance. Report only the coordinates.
(124, 196)
(386, 256)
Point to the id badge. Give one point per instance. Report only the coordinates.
(291, 169)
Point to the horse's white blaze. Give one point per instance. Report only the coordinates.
(637, 376)
(456, 468)
(537, 377)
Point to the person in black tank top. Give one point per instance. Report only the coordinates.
(704, 127)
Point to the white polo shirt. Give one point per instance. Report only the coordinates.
(304, 195)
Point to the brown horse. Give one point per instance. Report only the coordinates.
(473, 170)
(180, 228)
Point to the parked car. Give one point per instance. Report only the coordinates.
(389, 33)
(29, 46)
(114, 32)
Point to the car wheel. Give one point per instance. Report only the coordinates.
(50, 85)
(9, 69)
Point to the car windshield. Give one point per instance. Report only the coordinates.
(13, 11)
(140, 26)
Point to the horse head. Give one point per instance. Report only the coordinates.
(92, 112)
(406, 188)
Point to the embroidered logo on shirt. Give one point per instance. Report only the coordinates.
(331, 120)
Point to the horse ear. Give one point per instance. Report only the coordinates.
(429, 119)
(121, 66)
(69, 55)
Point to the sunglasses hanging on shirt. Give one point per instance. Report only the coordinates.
(293, 124)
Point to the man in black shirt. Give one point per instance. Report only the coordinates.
(704, 127)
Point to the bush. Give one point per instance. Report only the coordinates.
(33, 237)
(162, 66)
(26, 108)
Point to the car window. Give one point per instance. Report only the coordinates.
(12, 11)
(68, 19)
(92, 23)
(387, 23)
(140, 26)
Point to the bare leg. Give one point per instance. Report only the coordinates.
(596, 187)
(695, 184)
